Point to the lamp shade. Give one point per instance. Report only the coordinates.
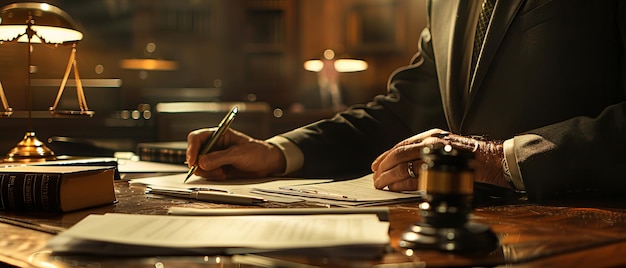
(46, 23)
(340, 65)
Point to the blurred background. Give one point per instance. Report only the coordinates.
(153, 70)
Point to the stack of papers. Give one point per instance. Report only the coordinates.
(235, 186)
(359, 192)
(355, 235)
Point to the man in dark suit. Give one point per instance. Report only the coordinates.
(545, 90)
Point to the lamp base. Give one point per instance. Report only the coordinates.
(472, 237)
(30, 149)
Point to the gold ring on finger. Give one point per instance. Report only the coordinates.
(410, 170)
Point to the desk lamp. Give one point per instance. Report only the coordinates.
(328, 70)
(33, 23)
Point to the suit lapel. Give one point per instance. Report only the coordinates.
(503, 15)
(444, 32)
(447, 33)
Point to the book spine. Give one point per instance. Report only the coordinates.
(30, 191)
(163, 155)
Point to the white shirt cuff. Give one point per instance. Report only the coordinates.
(294, 158)
(511, 161)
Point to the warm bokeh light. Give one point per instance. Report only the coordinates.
(340, 65)
(313, 65)
(350, 65)
(329, 54)
(149, 64)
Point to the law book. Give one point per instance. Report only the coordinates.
(65, 160)
(55, 188)
(173, 152)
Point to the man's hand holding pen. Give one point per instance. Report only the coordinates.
(235, 155)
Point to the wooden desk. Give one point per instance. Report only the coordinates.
(531, 236)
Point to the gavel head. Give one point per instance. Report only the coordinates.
(447, 183)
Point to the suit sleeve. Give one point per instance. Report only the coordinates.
(580, 157)
(345, 145)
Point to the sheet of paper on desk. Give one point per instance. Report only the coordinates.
(132, 166)
(237, 186)
(348, 193)
(172, 235)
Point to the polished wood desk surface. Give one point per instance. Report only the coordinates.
(531, 236)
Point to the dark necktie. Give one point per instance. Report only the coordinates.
(481, 30)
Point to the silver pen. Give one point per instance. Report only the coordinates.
(316, 193)
(209, 195)
(209, 143)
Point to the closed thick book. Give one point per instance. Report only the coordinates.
(64, 160)
(55, 188)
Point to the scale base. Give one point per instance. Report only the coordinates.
(30, 149)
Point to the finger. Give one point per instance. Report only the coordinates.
(416, 139)
(393, 176)
(217, 159)
(376, 163)
(421, 136)
(195, 139)
(242, 157)
(400, 155)
(405, 185)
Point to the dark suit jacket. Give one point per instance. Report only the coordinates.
(553, 75)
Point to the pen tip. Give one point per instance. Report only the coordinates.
(190, 172)
(188, 176)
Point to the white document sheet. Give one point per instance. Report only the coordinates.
(131, 166)
(359, 192)
(281, 232)
(236, 186)
(354, 192)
